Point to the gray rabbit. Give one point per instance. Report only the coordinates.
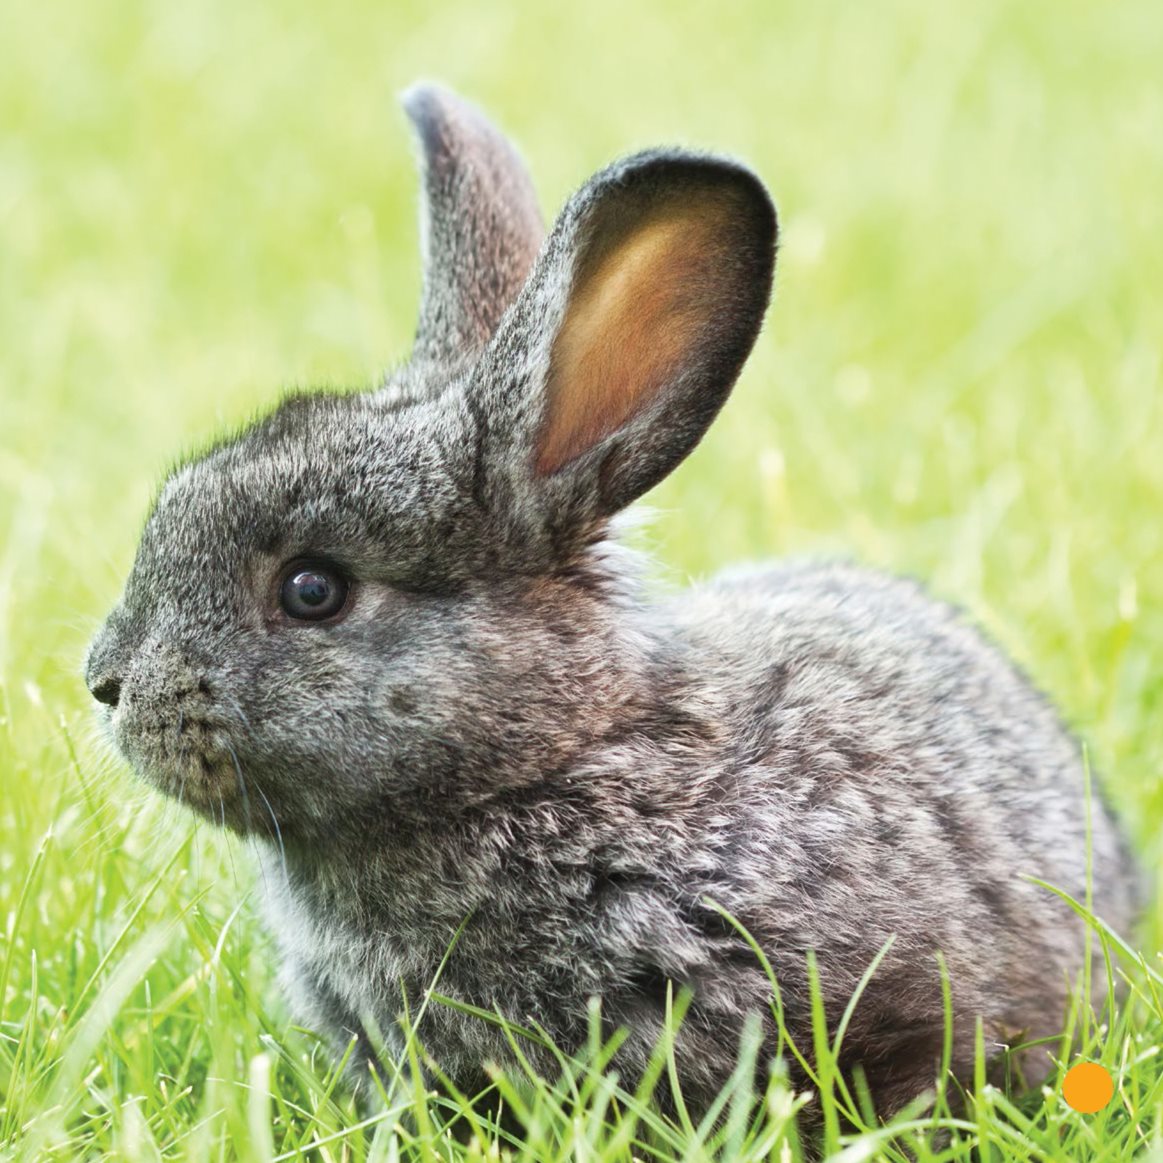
(391, 635)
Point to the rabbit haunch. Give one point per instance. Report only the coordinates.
(496, 736)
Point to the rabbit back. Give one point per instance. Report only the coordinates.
(919, 786)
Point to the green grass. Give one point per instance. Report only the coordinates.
(201, 204)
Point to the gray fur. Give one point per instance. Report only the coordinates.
(499, 729)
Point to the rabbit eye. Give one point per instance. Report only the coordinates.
(313, 592)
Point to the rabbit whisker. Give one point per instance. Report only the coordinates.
(241, 782)
(278, 833)
(237, 709)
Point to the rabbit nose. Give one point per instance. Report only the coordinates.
(106, 689)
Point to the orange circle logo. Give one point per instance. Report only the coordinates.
(1088, 1087)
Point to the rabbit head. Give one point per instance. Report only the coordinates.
(367, 600)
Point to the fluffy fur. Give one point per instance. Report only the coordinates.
(498, 734)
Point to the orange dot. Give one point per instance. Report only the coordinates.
(1088, 1087)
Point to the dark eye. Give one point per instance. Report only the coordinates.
(313, 592)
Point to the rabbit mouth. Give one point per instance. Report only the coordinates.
(191, 760)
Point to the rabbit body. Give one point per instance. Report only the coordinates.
(826, 753)
(392, 635)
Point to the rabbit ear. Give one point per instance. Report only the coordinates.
(481, 227)
(634, 326)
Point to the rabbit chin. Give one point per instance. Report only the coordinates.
(209, 785)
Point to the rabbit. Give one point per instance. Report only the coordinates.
(393, 636)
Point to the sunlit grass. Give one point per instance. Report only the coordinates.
(203, 204)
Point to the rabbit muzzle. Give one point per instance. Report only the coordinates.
(173, 721)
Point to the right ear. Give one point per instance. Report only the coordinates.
(627, 339)
(480, 225)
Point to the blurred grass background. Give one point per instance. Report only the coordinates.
(204, 203)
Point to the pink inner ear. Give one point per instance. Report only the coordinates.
(641, 305)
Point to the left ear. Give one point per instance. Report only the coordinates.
(631, 331)
(481, 228)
